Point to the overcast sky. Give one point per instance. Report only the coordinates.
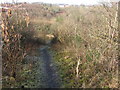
(78, 2)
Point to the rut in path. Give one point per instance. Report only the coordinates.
(51, 77)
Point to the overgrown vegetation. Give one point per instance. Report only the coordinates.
(18, 41)
(90, 37)
(86, 48)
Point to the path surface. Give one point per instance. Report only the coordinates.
(49, 71)
(45, 71)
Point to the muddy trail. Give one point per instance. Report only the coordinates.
(46, 75)
(51, 79)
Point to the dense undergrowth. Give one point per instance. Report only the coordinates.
(18, 42)
(88, 57)
(86, 49)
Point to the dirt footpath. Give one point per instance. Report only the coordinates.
(49, 74)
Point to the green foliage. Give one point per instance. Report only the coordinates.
(89, 57)
(59, 19)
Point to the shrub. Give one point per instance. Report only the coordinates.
(12, 51)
